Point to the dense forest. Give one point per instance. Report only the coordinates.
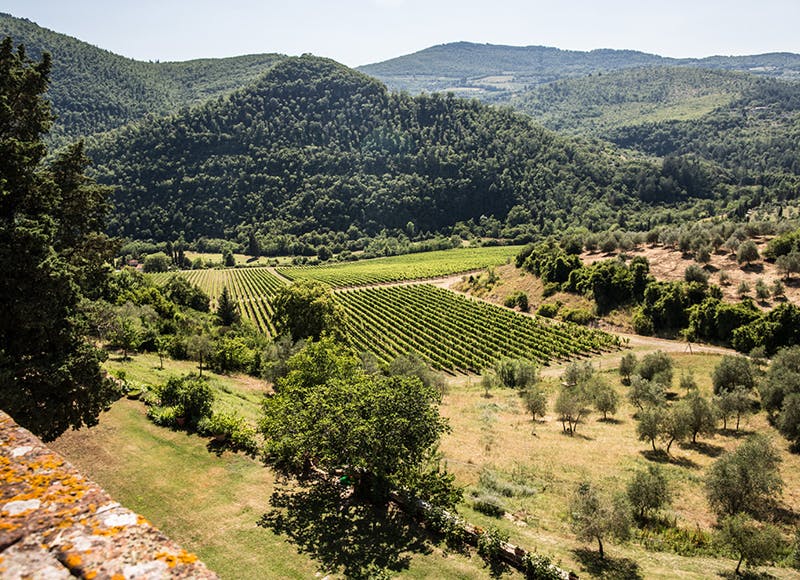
(93, 90)
(315, 146)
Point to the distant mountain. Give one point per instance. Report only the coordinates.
(316, 147)
(496, 72)
(94, 90)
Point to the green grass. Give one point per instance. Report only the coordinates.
(210, 504)
(405, 267)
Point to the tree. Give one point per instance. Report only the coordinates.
(517, 373)
(645, 393)
(306, 309)
(412, 365)
(650, 424)
(700, 414)
(745, 479)
(789, 420)
(747, 252)
(743, 289)
(50, 375)
(754, 543)
(676, 424)
(648, 491)
(158, 262)
(778, 290)
(378, 430)
(200, 347)
(605, 397)
(736, 402)
(535, 399)
(656, 367)
(627, 365)
(788, 264)
(227, 309)
(572, 405)
(594, 517)
(732, 372)
(762, 292)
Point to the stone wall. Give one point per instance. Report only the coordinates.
(55, 523)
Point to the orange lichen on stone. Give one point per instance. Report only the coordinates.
(107, 532)
(118, 577)
(91, 575)
(73, 561)
(172, 560)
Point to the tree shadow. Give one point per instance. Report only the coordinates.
(706, 449)
(360, 540)
(609, 568)
(753, 268)
(740, 434)
(610, 420)
(662, 456)
(746, 575)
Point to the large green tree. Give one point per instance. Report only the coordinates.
(378, 431)
(306, 309)
(50, 376)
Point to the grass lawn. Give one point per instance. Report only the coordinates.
(211, 503)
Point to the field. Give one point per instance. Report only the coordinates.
(251, 288)
(491, 436)
(405, 267)
(456, 334)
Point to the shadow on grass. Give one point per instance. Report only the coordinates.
(662, 456)
(740, 434)
(357, 539)
(706, 449)
(746, 575)
(610, 568)
(610, 420)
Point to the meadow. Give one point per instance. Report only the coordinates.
(494, 444)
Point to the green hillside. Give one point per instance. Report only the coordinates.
(597, 103)
(495, 73)
(94, 90)
(317, 147)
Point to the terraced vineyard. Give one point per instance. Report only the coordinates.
(405, 267)
(456, 334)
(252, 288)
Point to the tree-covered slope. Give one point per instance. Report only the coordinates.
(315, 146)
(496, 72)
(93, 90)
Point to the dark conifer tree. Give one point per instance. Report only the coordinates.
(50, 375)
(227, 310)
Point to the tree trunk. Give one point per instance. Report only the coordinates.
(600, 547)
(738, 564)
(653, 443)
(738, 416)
(724, 422)
(670, 444)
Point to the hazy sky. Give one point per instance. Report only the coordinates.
(357, 32)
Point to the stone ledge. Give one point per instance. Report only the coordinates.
(55, 523)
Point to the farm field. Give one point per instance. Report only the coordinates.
(405, 267)
(251, 288)
(456, 334)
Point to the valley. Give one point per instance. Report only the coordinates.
(313, 320)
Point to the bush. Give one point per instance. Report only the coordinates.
(190, 396)
(232, 430)
(695, 273)
(163, 416)
(577, 315)
(642, 324)
(549, 309)
(489, 505)
(517, 299)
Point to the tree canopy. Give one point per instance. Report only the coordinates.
(50, 376)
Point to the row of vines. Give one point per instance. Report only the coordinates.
(457, 334)
(401, 268)
(251, 288)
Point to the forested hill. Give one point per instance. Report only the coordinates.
(496, 72)
(94, 90)
(315, 146)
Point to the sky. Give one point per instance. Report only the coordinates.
(357, 32)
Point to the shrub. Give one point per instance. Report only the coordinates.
(235, 432)
(517, 299)
(489, 505)
(695, 273)
(577, 315)
(190, 396)
(549, 309)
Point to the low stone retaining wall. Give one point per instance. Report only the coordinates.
(55, 523)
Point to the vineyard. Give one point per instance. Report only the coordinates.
(401, 268)
(252, 288)
(456, 334)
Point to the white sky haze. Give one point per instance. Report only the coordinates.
(357, 32)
